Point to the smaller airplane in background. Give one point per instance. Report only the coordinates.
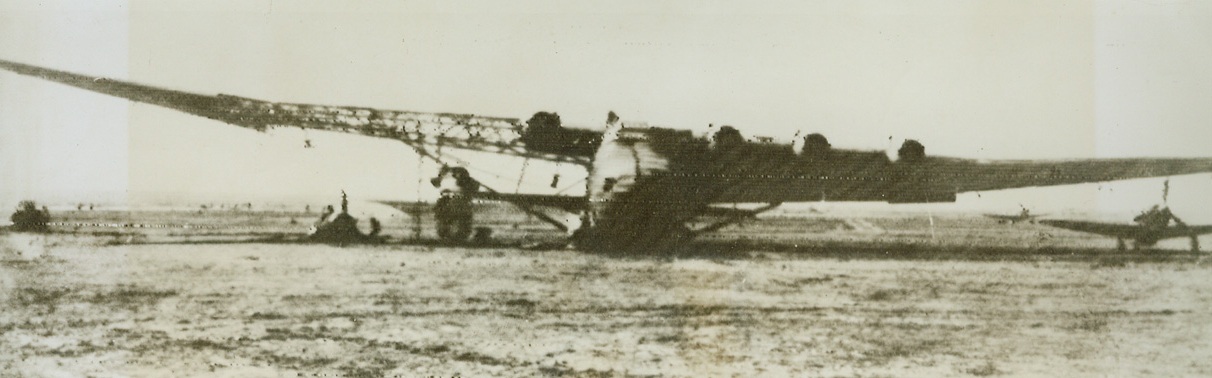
(1023, 216)
(1150, 226)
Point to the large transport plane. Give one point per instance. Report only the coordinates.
(646, 184)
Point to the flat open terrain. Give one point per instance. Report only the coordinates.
(103, 305)
(73, 308)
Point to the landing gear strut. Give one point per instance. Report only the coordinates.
(453, 212)
(734, 219)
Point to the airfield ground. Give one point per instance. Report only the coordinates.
(172, 302)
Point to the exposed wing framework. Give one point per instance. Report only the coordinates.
(464, 131)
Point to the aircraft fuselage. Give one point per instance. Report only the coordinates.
(645, 183)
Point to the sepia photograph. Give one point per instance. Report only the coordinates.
(537, 188)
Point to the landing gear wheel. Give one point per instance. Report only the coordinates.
(454, 229)
(674, 241)
(1120, 244)
(453, 216)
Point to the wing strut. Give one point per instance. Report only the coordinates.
(734, 219)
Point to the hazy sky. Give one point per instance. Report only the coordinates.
(987, 79)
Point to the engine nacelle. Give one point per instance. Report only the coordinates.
(726, 138)
(911, 151)
(914, 182)
(544, 133)
(815, 146)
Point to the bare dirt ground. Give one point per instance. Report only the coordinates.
(73, 308)
(83, 305)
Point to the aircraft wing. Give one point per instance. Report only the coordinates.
(411, 208)
(446, 130)
(966, 175)
(1125, 230)
(1175, 232)
(573, 204)
(773, 173)
(1105, 229)
(1000, 217)
(767, 173)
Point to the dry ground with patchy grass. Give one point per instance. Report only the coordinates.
(81, 306)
